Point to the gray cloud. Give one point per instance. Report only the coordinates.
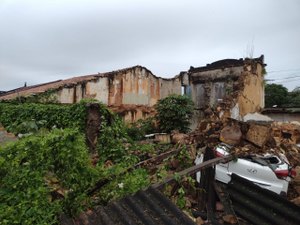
(42, 41)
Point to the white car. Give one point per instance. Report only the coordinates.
(268, 171)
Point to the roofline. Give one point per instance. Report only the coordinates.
(64, 84)
(227, 63)
(27, 87)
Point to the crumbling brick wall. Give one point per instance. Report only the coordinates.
(230, 88)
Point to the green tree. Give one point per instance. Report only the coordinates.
(275, 94)
(173, 113)
(293, 99)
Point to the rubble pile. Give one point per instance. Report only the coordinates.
(288, 133)
(251, 137)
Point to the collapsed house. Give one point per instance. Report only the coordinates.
(224, 89)
(233, 85)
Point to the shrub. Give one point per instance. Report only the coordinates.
(12, 115)
(173, 113)
(34, 168)
(139, 129)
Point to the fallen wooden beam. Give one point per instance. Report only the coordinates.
(194, 169)
(158, 158)
(155, 159)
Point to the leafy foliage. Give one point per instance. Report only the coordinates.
(30, 117)
(111, 140)
(275, 94)
(50, 172)
(123, 184)
(139, 129)
(173, 113)
(293, 99)
(52, 115)
(37, 166)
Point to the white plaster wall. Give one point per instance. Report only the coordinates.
(136, 87)
(98, 89)
(66, 95)
(168, 87)
(79, 93)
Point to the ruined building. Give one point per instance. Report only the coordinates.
(233, 86)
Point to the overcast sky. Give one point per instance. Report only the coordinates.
(46, 40)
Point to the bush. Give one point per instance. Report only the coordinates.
(173, 113)
(53, 115)
(36, 167)
(139, 129)
(123, 184)
(111, 139)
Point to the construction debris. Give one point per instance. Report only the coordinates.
(258, 134)
(286, 132)
(249, 137)
(256, 117)
(231, 135)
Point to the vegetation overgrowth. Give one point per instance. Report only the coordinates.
(49, 171)
(174, 112)
(13, 116)
(38, 165)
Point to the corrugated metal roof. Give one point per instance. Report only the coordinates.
(261, 206)
(149, 207)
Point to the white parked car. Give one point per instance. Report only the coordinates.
(268, 171)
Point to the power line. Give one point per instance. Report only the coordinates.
(279, 71)
(285, 78)
(283, 75)
(285, 81)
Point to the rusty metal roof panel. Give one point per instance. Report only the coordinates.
(149, 207)
(261, 206)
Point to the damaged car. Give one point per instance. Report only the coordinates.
(269, 171)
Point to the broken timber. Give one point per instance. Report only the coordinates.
(155, 159)
(194, 169)
(158, 158)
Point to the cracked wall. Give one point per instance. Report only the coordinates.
(251, 98)
(230, 88)
(131, 93)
